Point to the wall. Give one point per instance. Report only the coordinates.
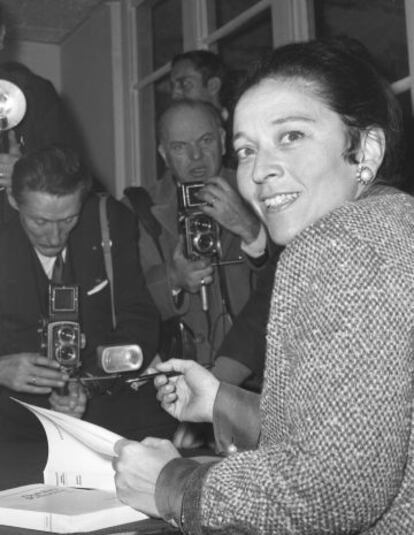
(86, 70)
(41, 58)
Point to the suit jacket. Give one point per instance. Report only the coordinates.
(23, 300)
(226, 295)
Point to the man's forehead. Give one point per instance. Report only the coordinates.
(36, 200)
(190, 121)
(184, 69)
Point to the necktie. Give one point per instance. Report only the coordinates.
(57, 273)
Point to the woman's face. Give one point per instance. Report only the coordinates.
(290, 148)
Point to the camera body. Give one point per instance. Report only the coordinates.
(201, 232)
(61, 336)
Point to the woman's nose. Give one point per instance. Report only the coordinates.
(266, 167)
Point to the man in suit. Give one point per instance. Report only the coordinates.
(56, 215)
(192, 146)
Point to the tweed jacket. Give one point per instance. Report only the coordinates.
(236, 279)
(335, 451)
(23, 298)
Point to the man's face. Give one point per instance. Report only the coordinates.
(48, 219)
(192, 145)
(186, 82)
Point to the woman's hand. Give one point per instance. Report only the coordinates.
(188, 397)
(73, 404)
(137, 468)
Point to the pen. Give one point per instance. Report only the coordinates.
(148, 376)
(139, 379)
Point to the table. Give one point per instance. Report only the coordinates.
(22, 463)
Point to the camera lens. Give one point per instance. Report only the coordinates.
(204, 243)
(66, 354)
(201, 223)
(66, 334)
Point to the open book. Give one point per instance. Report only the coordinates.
(80, 455)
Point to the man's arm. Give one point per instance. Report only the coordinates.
(172, 278)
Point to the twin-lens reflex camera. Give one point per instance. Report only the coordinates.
(61, 336)
(62, 340)
(201, 232)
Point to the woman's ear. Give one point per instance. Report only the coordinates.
(372, 149)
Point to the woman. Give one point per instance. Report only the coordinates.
(329, 448)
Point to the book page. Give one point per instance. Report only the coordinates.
(80, 453)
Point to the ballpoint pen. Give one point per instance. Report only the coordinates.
(149, 376)
(138, 379)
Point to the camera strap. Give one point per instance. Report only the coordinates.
(106, 247)
(140, 201)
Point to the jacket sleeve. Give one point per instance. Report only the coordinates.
(338, 419)
(137, 316)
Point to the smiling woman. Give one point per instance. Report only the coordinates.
(328, 446)
(304, 132)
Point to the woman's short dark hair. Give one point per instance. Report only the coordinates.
(341, 72)
(55, 169)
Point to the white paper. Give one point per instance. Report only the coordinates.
(80, 453)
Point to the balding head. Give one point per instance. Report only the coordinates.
(191, 140)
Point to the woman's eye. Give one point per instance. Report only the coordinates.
(243, 153)
(291, 137)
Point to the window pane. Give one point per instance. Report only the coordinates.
(162, 92)
(167, 31)
(379, 24)
(228, 9)
(244, 46)
(159, 31)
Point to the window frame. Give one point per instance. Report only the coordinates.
(290, 21)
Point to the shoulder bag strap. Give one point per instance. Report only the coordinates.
(106, 246)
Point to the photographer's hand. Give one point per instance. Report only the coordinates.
(188, 274)
(226, 206)
(73, 404)
(30, 372)
(188, 397)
